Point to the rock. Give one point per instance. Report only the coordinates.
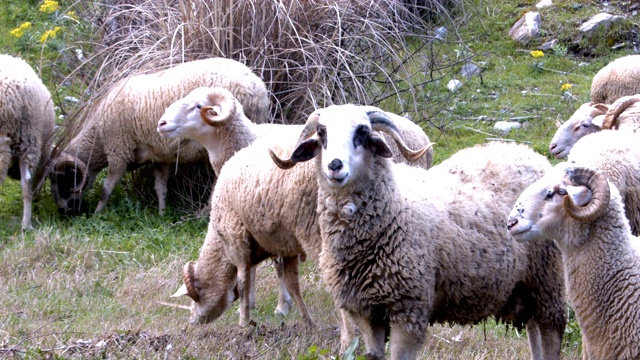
(71, 100)
(506, 126)
(543, 4)
(602, 20)
(527, 28)
(454, 85)
(469, 69)
(548, 45)
(441, 33)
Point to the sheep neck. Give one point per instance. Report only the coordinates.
(225, 142)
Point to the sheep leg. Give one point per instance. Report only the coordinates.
(244, 280)
(403, 345)
(293, 285)
(284, 299)
(347, 330)
(373, 335)
(114, 175)
(161, 173)
(26, 182)
(5, 156)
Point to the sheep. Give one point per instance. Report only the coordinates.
(251, 193)
(119, 132)
(584, 214)
(403, 247)
(27, 122)
(617, 155)
(619, 78)
(623, 114)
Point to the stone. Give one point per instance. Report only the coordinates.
(548, 45)
(526, 28)
(544, 4)
(454, 85)
(602, 20)
(469, 69)
(506, 126)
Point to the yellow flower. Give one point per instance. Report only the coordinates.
(72, 15)
(50, 34)
(19, 31)
(536, 53)
(566, 86)
(49, 6)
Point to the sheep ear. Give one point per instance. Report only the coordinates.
(307, 150)
(378, 146)
(580, 195)
(597, 121)
(599, 109)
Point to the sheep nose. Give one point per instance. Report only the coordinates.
(552, 146)
(335, 165)
(162, 123)
(511, 223)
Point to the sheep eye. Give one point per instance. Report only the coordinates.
(199, 106)
(360, 136)
(585, 125)
(562, 191)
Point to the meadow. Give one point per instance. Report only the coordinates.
(98, 286)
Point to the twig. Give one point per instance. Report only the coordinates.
(478, 131)
(523, 117)
(508, 140)
(173, 305)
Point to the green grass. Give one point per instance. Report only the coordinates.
(94, 286)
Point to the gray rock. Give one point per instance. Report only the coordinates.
(506, 126)
(469, 69)
(548, 45)
(454, 85)
(526, 28)
(602, 20)
(441, 33)
(544, 4)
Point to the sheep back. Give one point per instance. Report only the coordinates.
(617, 154)
(618, 78)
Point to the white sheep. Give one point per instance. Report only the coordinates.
(27, 122)
(623, 114)
(120, 130)
(403, 247)
(252, 194)
(619, 78)
(584, 214)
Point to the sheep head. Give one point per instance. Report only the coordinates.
(354, 136)
(68, 178)
(549, 207)
(586, 120)
(618, 107)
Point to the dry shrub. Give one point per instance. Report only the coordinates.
(310, 53)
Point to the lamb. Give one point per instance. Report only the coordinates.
(619, 78)
(237, 199)
(623, 114)
(403, 247)
(119, 132)
(617, 155)
(584, 214)
(27, 122)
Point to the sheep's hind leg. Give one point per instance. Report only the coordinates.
(403, 345)
(114, 175)
(293, 285)
(545, 342)
(373, 335)
(244, 277)
(284, 299)
(26, 182)
(161, 173)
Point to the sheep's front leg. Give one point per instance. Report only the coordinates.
(293, 285)
(161, 173)
(114, 175)
(347, 330)
(26, 182)
(284, 299)
(373, 335)
(402, 344)
(244, 278)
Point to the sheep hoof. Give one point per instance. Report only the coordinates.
(283, 309)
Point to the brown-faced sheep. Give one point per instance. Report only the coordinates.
(27, 122)
(403, 247)
(120, 130)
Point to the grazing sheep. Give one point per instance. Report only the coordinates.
(257, 211)
(619, 78)
(119, 132)
(623, 114)
(403, 247)
(27, 122)
(617, 155)
(584, 213)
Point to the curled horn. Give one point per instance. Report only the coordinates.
(597, 183)
(64, 161)
(380, 121)
(308, 130)
(223, 108)
(187, 277)
(611, 118)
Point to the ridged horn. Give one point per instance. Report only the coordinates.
(223, 108)
(611, 118)
(600, 195)
(187, 277)
(380, 121)
(67, 161)
(309, 129)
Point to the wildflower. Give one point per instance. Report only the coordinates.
(49, 6)
(72, 15)
(536, 53)
(19, 31)
(566, 86)
(50, 34)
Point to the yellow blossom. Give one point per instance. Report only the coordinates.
(49, 6)
(536, 53)
(566, 86)
(72, 15)
(19, 31)
(50, 34)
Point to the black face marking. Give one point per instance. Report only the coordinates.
(361, 136)
(322, 135)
